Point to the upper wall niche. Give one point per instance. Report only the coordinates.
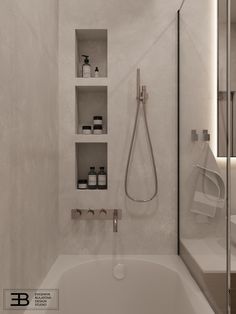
(91, 42)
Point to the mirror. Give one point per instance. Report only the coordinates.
(222, 63)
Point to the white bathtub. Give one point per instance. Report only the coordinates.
(149, 285)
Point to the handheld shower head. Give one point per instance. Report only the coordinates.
(141, 98)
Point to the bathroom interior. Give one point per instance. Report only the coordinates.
(118, 156)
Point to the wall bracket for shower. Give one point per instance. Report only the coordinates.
(194, 135)
(95, 214)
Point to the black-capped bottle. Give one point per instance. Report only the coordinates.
(92, 179)
(96, 72)
(102, 179)
(86, 68)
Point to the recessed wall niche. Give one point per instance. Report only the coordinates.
(88, 155)
(91, 42)
(90, 101)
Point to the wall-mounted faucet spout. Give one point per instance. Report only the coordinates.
(115, 220)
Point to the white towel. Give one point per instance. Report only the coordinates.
(210, 189)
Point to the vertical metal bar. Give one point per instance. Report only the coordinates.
(228, 166)
(178, 132)
(232, 123)
(138, 85)
(218, 81)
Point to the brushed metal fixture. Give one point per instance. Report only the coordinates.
(96, 214)
(103, 212)
(194, 135)
(206, 136)
(75, 213)
(142, 94)
(222, 95)
(115, 220)
(141, 98)
(91, 212)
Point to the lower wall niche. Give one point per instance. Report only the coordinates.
(89, 155)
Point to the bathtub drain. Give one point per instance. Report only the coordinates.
(119, 271)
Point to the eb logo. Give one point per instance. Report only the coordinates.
(19, 299)
(30, 299)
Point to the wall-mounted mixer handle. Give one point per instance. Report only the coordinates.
(91, 212)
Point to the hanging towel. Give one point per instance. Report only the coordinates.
(209, 192)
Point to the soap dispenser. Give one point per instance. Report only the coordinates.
(86, 68)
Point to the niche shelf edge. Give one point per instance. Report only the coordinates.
(92, 81)
(82, 138)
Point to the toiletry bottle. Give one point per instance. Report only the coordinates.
(92, 179)
(86, 68)
(96, 73)
(102, 179)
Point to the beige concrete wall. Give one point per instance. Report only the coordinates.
(28, 140)
(140, 34)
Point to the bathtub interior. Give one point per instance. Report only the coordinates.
(147, 287)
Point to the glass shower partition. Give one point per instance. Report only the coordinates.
(203, 171)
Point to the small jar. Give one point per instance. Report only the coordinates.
(97, 120)
(86, 129)
(82, 184)
(97, 129)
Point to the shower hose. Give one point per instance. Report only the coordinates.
(141, 99)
